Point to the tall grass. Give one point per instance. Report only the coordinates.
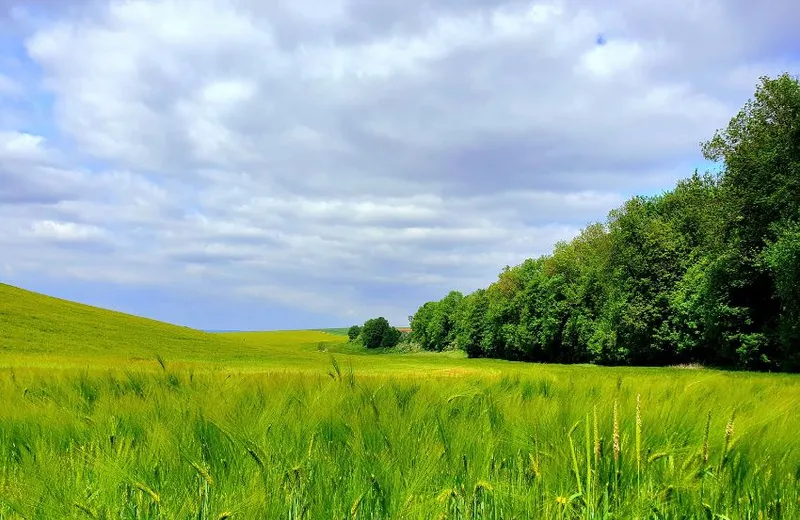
(563, 443)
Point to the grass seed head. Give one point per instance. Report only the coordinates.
(596, 436)
(638, 430)
(615, 440)
(729, 433)
(705, 438)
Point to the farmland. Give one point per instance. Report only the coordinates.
(110, 416)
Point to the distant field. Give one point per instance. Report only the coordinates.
(39, 331)
(109, 416)
(337, 332)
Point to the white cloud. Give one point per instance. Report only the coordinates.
(609, 61)
(21, 146)
(66, 231)
(349, 156)
(228, 92)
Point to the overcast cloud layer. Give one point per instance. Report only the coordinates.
(251, 164)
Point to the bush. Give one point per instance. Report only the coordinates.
(391, 338)
(377, 333)
(353, 332)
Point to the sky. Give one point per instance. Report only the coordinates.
(251, 165)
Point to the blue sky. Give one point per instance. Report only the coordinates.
(259, 165)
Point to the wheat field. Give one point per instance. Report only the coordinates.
(144, 420)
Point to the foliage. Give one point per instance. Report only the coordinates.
(353, 332)
(377, 333)
(782, 258)
(705, 273)
(434, 328)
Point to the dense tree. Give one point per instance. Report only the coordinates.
(470, 322)
(782, 258)
(708, 272)
(420, 323)
(434, 325)
(353, 332)
(391, 338)
(760, 153)
(377, 333)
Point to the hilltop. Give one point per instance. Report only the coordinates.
(32, 323)
(52, 331)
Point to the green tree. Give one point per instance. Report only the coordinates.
(377, 333)
(420, 323)
(783, 261)
(707, 272)
(434, 324)
(391, 337)
(470, 322)
(579, 270)
(441, 328)
(353, 332)
(646, 262)
(760, 154)
(502, 315)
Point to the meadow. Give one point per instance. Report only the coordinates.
(110, 416)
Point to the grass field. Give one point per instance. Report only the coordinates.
(109, 416)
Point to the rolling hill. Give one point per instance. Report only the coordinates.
(38, 324)
(52, 331)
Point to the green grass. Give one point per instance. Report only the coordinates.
(336, 331)
(35, 325)
(301, 424)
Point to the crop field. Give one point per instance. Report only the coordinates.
(108, 416)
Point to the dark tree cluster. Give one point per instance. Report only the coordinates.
(707, 273)
(375, 333)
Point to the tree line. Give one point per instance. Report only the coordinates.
(707, 273)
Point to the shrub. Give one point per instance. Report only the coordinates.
(353, 332)
(377, 333)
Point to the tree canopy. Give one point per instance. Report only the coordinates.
(708, 272)
(377, 333)
(353, 332)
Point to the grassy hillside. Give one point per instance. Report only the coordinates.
(38, 324)
(49, 331)
(46, 332)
